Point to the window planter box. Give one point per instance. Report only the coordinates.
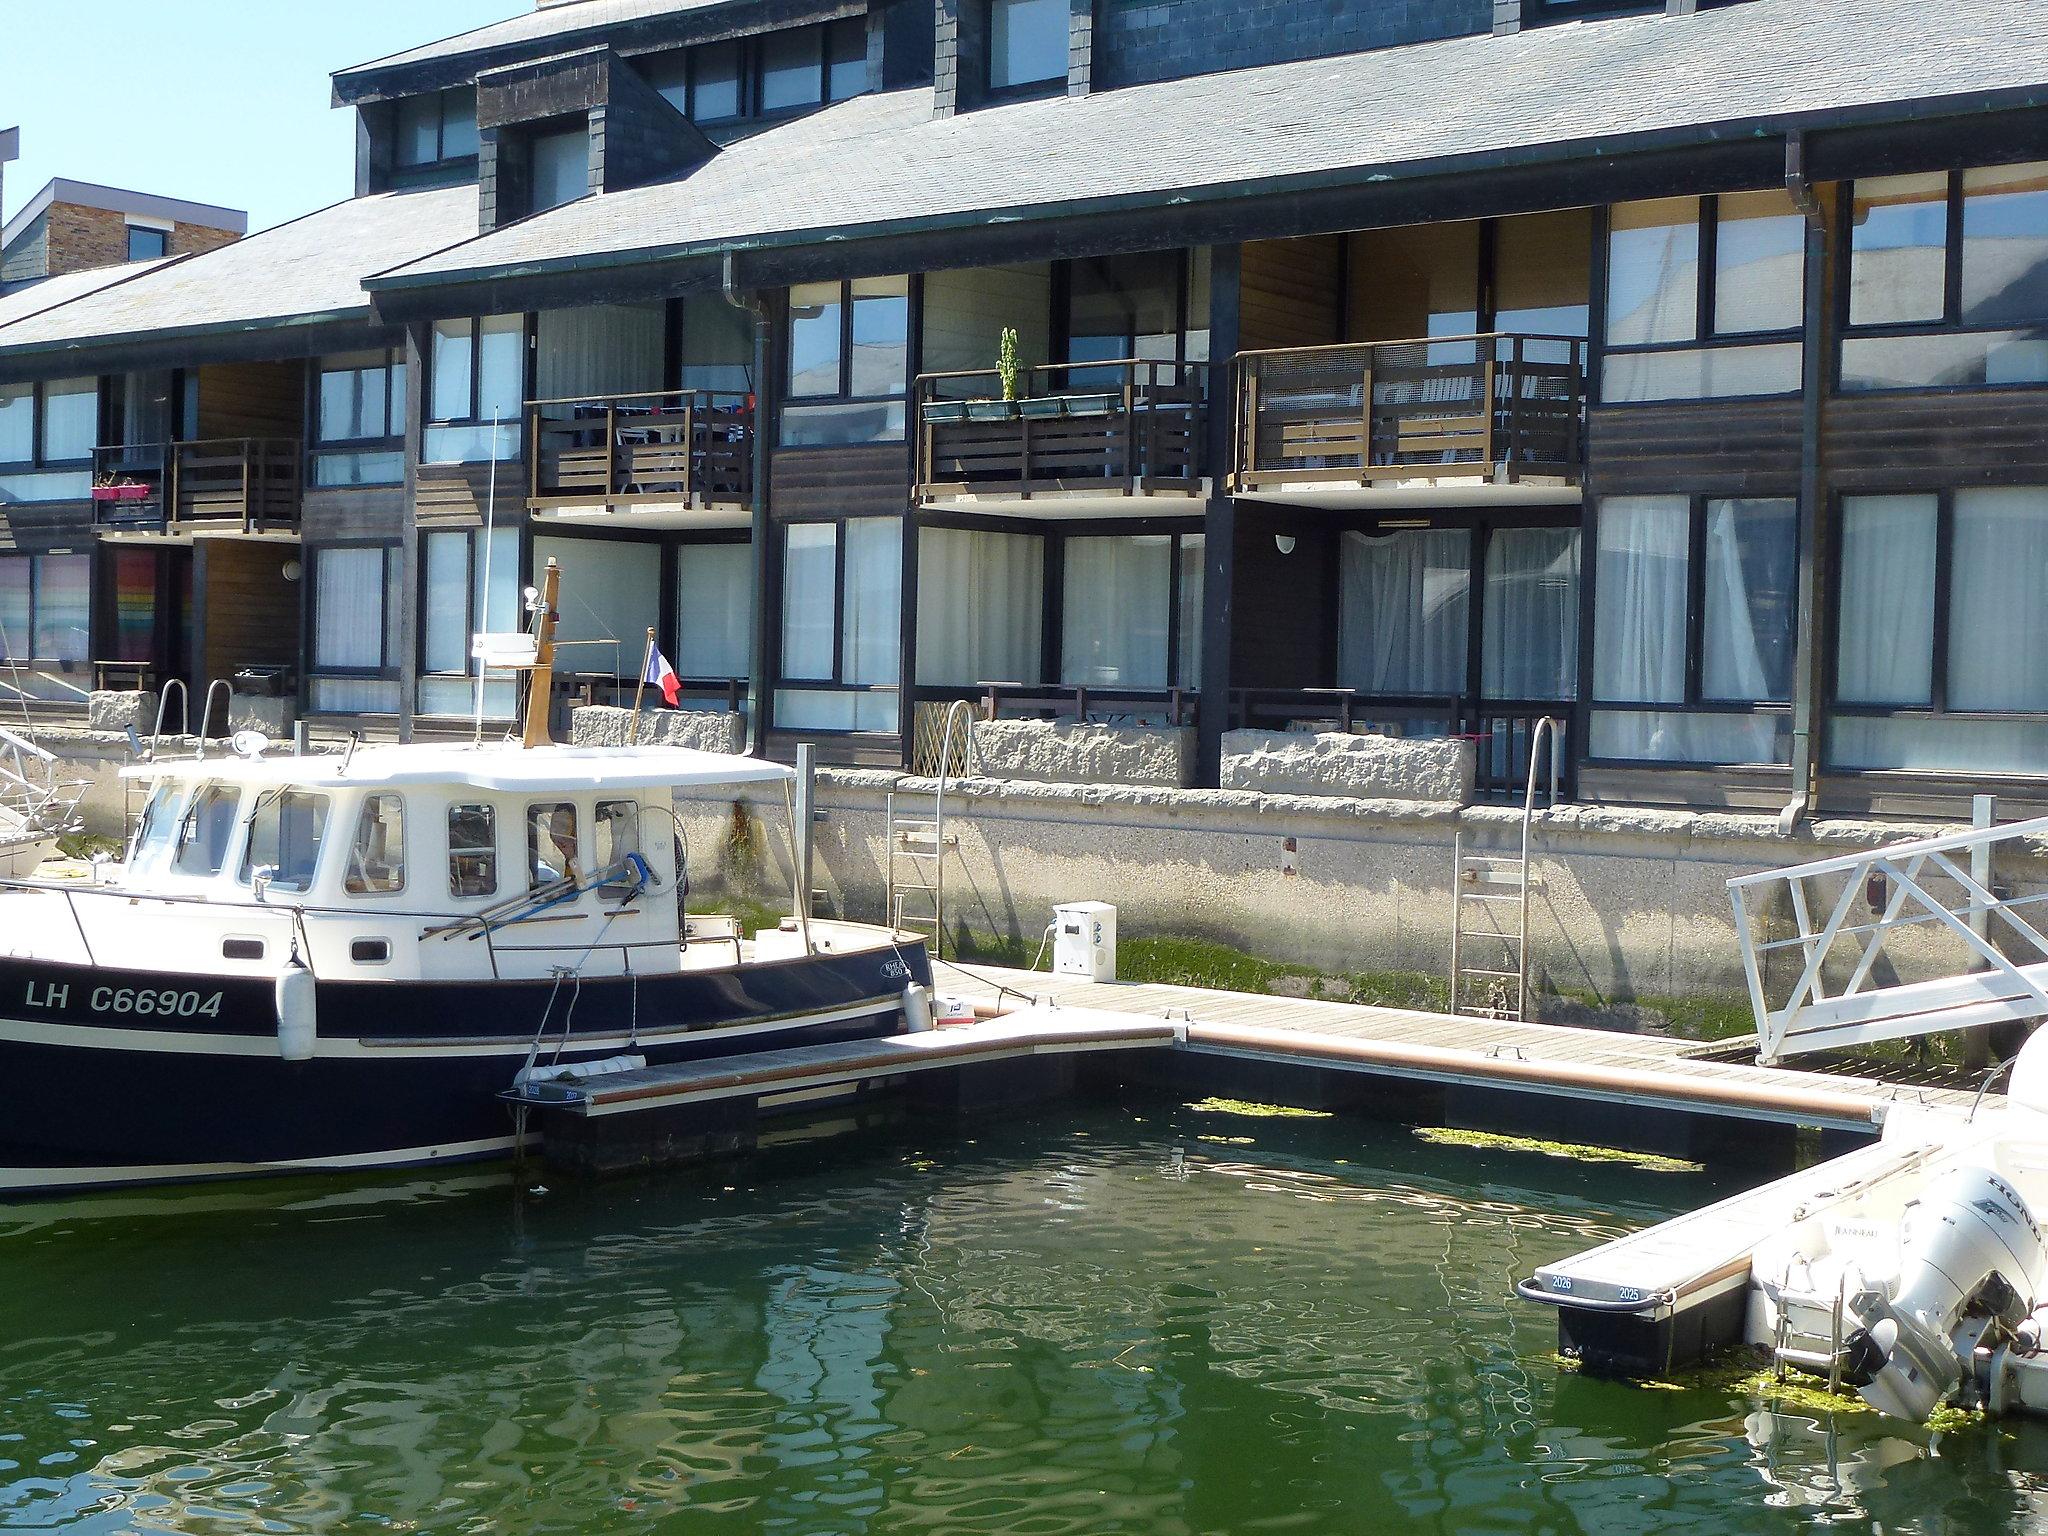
(122, 492)
(1042, 408)
(991, 410)
(946, 410)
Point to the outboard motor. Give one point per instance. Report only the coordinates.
(1971, 1261)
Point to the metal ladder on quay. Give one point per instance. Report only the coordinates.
(918, 839)
(1495, 888)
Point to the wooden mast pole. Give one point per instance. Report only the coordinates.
(639, 688)
(540, 690)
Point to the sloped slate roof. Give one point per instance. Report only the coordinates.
(536, 26)
(304, 272)
(19, 302)
(879, 163)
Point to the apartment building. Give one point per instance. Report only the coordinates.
(1675, 371)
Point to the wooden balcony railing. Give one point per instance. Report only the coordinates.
(1126, 428)
(1497, 408)
(693, 447)
(236, 484)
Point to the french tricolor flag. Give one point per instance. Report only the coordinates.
(663, 676)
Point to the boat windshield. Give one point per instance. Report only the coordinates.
(158, 829)
(284, 836)
(204, 830)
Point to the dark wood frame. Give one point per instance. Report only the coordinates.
(913, 341)
(517, 423)
(393, 442)
(522, 561)
(749, 53)
(782, 682)
(391, 667)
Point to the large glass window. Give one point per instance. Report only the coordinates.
(611, 597)
(841, 625)
(777, 72)
(476, 377)
(469, 586)
(715, 80)
(561, 167)
(1683, 327)
(1694, 628)
(1402, 611)
(355, 622)
(46, 607)
(714, 610)
(1530, 615)
(1948, 279)
(1027, 43)
(208, 827)
(717, 346)
(47, 434)
(980, 607)
(1124, 607)
(1127, 306)
(1941, 647)
(359, 418)
(848, 361)
(437, 127)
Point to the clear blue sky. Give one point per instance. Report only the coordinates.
(220, 101)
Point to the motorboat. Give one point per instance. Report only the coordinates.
(348, 959)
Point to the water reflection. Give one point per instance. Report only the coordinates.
(1098, 1323)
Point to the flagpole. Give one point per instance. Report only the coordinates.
(484, 617)
(633, 730)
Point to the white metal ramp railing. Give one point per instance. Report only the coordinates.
(1495, 887)
(1848, 989)
(918, 839)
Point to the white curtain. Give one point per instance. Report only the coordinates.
(1886, 651)
(980, 607)
(1998, 639)
(604, 350)
(1746, 627)
(611, 597)
(871, 610)
(348, 607)
(1531, 644)
(1193, 554)
(810, 610)
(1114, 620)
(714, 610)
(1402, 611)
(1639, 628)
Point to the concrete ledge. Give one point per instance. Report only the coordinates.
(1062, 752)
(118, 711)
(1351, 766)
(603, 725)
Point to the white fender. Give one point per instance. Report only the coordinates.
(298, 1017)
(917, 1009)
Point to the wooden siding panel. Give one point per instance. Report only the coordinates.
(252, 399)
(1291, 293)
(1286, 619)
(251, 612)
(45, 527)
(1723, 447)
(868, 481)
(459, 494)
(376, 512)
(1881, 441)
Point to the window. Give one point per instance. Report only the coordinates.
(46, 608)
(469, 585)
(617, 832)
(284, 838)
(561, 167)
(841, 625)
(355, 619)
(1691, 284)
(715, 80)
(47, 434)
(1127, 306)
(157, 833)
(359, 418)
(1529, 618)
(551, 844)
(1941, 647)
(146, 244)
(436, 128)
(849, 357)
(714, 610)
(1693, 634)
(472, 850)
(778, 72)
(476, 389)
(717, 346)
(1124, 609)
(792, 70)
(980, 607)
(1027, 43)
(376, 859)
(1948, 279)
(1403, 606)
(203, 835)
(611, 597)
(129, 578)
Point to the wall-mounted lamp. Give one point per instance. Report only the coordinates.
(291, 570)
(1284, 542)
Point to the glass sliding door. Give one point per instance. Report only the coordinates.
(1402, 619)
(980, 607)
(842, 618)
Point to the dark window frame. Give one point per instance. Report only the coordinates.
(388, 669)
(161, 236)
(1054, 636)
(35, 599)
(442, 160)
(836, 683)
(471, 536)
(1693, 701)
(1022, 90)
(394, 407)
(750, 54)
(913, 301)
(514, 425)
(39, 457)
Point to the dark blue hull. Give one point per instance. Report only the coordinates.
(95, 1091)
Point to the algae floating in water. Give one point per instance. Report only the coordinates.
(1652, 1162)
(1257, 1111)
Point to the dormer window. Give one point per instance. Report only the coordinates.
(561, 167)
(771, 75)
(1027, 44)
(437, 128)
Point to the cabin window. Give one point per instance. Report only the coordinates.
(284, 837)
(376, 859)
(158, 829)
(204, 833)
(1694, 629)
(359, 419)
(618, 836)
(1948, 279)
(1941, 650)
(551, 844)
(472, 850)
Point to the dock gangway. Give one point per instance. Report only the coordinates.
(1846, 930)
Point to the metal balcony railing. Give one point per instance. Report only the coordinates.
(1132, 427)
(693, 447)
(1496, 407)
(231, 484)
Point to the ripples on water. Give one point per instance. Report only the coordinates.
(1095, 1323)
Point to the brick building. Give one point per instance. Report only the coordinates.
(75, 226)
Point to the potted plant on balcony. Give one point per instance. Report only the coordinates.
(1004, 409)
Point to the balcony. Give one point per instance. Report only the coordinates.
(683, 459)
(1099, 440)
(1480, 420)
(223, 487)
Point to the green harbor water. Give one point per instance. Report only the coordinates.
(1154, 1320)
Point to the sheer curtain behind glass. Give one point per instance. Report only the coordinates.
(980, 607)
(714, 610)
(1530, 649)
(1639, 628)
(1402, 612)
(1117, 591)
(871, 617)
(349, 629)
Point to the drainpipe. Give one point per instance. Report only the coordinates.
(1808, 668)
(751, 305)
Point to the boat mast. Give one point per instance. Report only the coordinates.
(541, 684)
